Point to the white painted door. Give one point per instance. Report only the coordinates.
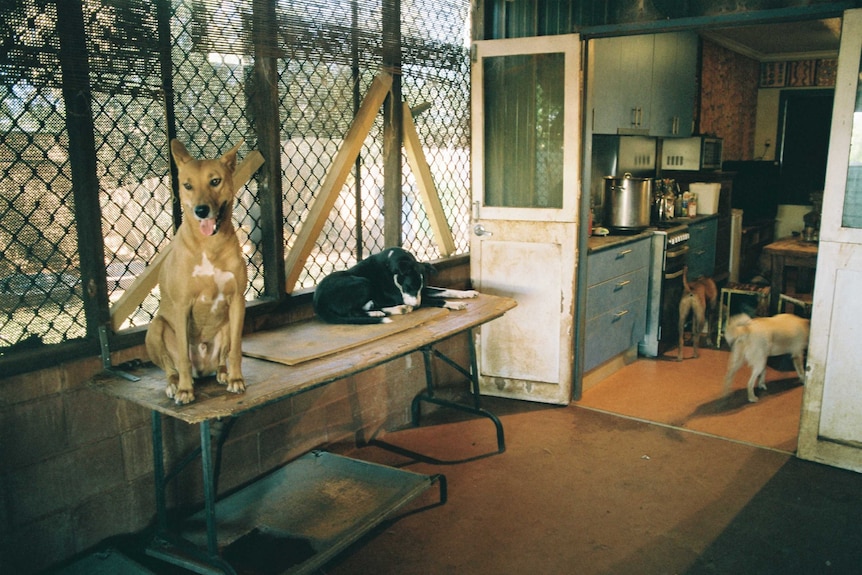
(526, 127)
(831, 425)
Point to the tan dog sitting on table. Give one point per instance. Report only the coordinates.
(197, 331)
(699, 298)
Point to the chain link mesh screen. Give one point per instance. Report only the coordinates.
(330, 51)
(39, 279)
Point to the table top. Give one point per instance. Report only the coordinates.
(793, 246)
(268, 382)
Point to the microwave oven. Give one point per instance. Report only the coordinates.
(696, 153)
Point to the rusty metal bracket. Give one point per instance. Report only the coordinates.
(105, 348)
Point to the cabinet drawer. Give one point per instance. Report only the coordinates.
(617, 261)
(616, 292)
(702, 231)
(701, 243)
(613, 332)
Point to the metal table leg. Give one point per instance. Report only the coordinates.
(170, 547)
(428, 354)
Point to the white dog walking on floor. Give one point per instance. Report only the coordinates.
(754, 340)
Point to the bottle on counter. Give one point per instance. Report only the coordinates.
(670, 200)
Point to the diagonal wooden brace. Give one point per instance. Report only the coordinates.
(325, 199)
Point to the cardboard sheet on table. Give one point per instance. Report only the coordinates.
(313, 339)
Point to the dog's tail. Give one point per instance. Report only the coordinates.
(685, 285)
(737, 327)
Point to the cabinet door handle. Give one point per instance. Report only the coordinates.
(622, 284)
(620, 314)
(634, 117)
(623, 253)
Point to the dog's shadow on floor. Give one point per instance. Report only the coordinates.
(737, 400)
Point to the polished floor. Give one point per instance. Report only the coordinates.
(690, 395)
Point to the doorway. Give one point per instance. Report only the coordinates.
(803, 143)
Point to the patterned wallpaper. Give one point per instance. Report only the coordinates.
(728, 99)
(798, 74)
(728, 95)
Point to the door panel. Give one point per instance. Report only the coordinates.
(842, 402)
(831, 423)
(526, 191)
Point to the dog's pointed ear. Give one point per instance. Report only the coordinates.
(178, 150)
(229, 158)
(405, 265)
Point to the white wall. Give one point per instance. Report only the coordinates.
(766, 126)
(789, 219)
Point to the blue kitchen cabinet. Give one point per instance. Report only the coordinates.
(701, 248)
(643, 84)
(617, 280)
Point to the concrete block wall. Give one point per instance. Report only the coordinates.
(76, 465)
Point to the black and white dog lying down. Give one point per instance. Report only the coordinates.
(389, 283)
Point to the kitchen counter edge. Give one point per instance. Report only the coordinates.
(597, 244)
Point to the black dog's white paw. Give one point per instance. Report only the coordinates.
(398, 309)
(457, 293)
(456, 305)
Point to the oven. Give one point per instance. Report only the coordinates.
(669, 252)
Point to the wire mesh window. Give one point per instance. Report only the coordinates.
(150, 70)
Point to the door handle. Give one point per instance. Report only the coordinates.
(480, 230)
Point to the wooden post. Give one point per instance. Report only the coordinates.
(265, 106)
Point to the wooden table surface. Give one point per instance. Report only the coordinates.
(268, 382)
(792, 246)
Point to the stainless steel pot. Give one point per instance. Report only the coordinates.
(628, 202)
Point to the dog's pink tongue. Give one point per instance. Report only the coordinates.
(208, 226)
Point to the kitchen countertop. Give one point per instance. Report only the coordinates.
(600, 243)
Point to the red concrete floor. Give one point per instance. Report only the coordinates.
(582, 491)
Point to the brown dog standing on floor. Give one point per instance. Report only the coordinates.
(699, 298)
(197, 331)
